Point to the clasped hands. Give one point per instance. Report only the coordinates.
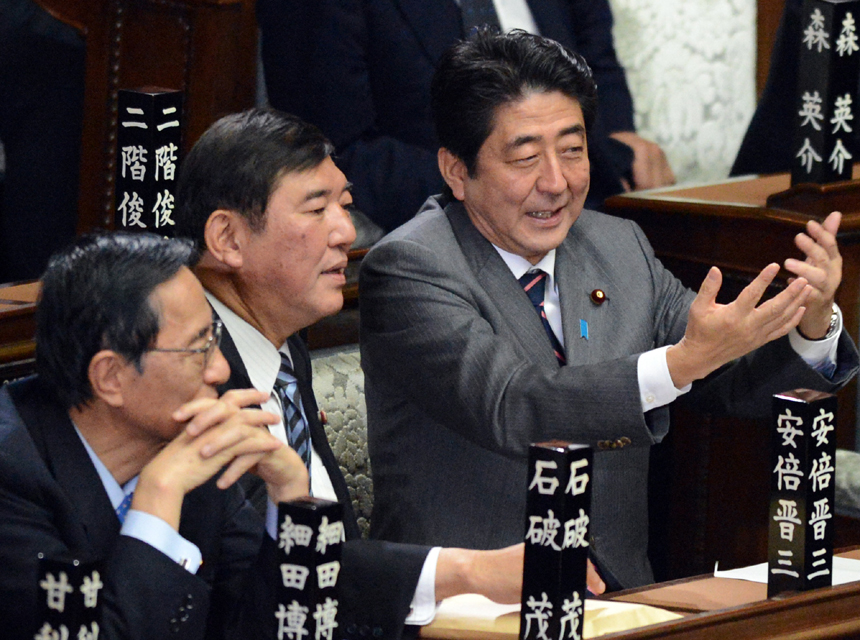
(717, 334)
(222, 433)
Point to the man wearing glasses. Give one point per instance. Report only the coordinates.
(120, 449)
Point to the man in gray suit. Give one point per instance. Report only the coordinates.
(464, 369)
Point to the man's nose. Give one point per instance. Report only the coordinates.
(217, 370)
(343, 231)
(551, 178)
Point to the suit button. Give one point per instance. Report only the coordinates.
(624, 441)
(364, 631)
(602, 445)
(377, 632)
(351, 629)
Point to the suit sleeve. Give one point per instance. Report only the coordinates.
(431, 337)
(318, 64)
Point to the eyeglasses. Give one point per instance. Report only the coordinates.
(214, 340)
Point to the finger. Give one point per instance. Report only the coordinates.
(831, 223)
(593, 580)
(245, 397)
(815, 276)
(237, 468)
(783, 329)
(818, 252)
(211, 416)
(235, 430)
(752, 293)
(779, 310)
(710, 287)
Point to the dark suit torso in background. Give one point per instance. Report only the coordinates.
(52, 501)
(377, 579)
(460, 378)
(361, 71)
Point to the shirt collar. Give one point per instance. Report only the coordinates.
(519, 266)
(116, 493)
(261, 359)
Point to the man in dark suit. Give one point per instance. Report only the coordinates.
(268, 208)
(461, 371)
(121, 450)
(361, 69)
(768, 141)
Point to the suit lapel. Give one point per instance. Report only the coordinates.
(70, 465)
(436, 25)
(239, 379)
(501, 286)
(579, 271)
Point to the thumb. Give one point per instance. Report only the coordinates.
(710, 286)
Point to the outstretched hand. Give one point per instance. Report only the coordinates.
(719, 333)
(822, 269)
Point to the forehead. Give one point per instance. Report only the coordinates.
(295, 188)
(181, 304)
(537, 114)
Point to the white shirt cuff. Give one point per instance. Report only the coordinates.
(423, 608)
(157, 533)
(656, 388)
(818, 354)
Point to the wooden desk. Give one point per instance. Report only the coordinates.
(17, 328)
(710, 477)
(711, 608)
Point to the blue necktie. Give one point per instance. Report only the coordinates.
(478, 13)
(534, 284)
(124, 506)
(298, 433)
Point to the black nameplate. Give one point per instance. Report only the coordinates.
(310, 541)
(800, 519)
(827, 84)
(556, 541)
(147, 159)
(69, 591)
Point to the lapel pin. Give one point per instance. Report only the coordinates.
(583, 329)
(598, 297)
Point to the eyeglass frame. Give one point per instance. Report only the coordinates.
(214, 340)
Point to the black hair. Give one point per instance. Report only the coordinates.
(488, 70)
(237, 164)
(95, 295)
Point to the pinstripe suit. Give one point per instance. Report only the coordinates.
(460, 378)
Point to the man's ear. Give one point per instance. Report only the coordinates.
(454, 172)
(225, 234)
(108, 376)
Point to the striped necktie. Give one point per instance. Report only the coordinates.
(124, 506)
(534, 284)
(298, 433)
(478, 13)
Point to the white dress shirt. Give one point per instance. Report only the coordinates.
(262, 362)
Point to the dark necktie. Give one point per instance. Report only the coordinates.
(124, 506)
(534, 284)
(298, 433)
(477, 13)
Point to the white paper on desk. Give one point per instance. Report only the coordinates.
(473, 612)
(844, 570)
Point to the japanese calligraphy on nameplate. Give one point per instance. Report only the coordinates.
(800, 519)
(148, 140)
(310, 539)
(556, 541)
(69, 592)
(827, 83)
